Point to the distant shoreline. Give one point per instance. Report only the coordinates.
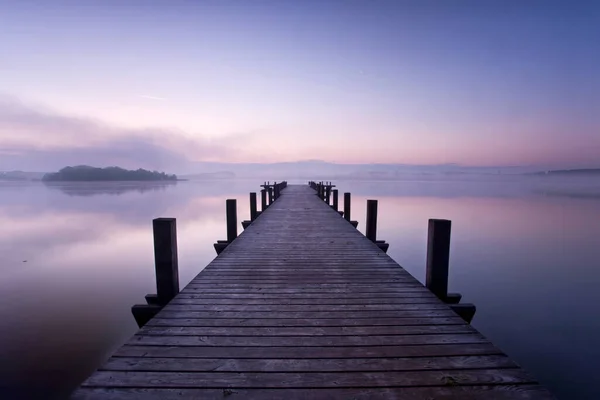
(582, 171)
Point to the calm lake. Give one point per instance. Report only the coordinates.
(76, 257)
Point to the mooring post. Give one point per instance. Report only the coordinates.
(347, 210)
(438, 257)
(371, 228)
(328, 195)
(231, 208)
(263, 199)
(335, 199)
(271, 195)
(347, 206)
(166, 268)
(253, 210)
(165, 259)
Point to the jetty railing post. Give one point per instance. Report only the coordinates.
(438, 257)
(270, 190)
(263, 199)
(347, 206)
(335, 199)
(165, 259)
(253, 210)
(328, 195)
(231, 209)
(371, 228)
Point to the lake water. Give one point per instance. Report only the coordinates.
(76, 257)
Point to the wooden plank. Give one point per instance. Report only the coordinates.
(487, 392)
(311, 308)
(306, 331)
(308, 380)
(303, 302)
(307, 365)
(368, 290)
(307, 341)
(301, 298)
(305, 285)
(303, 278)
(291, 322)
(337, 272)
(445, 312)
(432, 350)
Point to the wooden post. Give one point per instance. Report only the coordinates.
(328, 195)
(263, 199)
(270, 195)
(253, 211)
(165, 259)
(335, 199)
(347, 206)
(371, 228)
(438, 256)
(231, 208)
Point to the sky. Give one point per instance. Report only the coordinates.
(160, 84)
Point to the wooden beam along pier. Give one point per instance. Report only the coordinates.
(301, 305)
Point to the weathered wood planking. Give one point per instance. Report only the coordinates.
(301, 305)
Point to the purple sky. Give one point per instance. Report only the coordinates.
(415, 82)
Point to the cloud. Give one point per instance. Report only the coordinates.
(36, 138)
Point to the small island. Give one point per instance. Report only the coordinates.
(85, 173)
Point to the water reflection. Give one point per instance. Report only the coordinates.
(74, 259)
(73, 265)
(110, 188)
(529, 263)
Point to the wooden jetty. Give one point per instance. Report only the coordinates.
(301, 305)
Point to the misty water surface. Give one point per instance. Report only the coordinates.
(75, 257)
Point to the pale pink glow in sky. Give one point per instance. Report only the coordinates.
(237, 83)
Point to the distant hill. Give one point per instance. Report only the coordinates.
(586, 171)
(20, 176)
(85, 173)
